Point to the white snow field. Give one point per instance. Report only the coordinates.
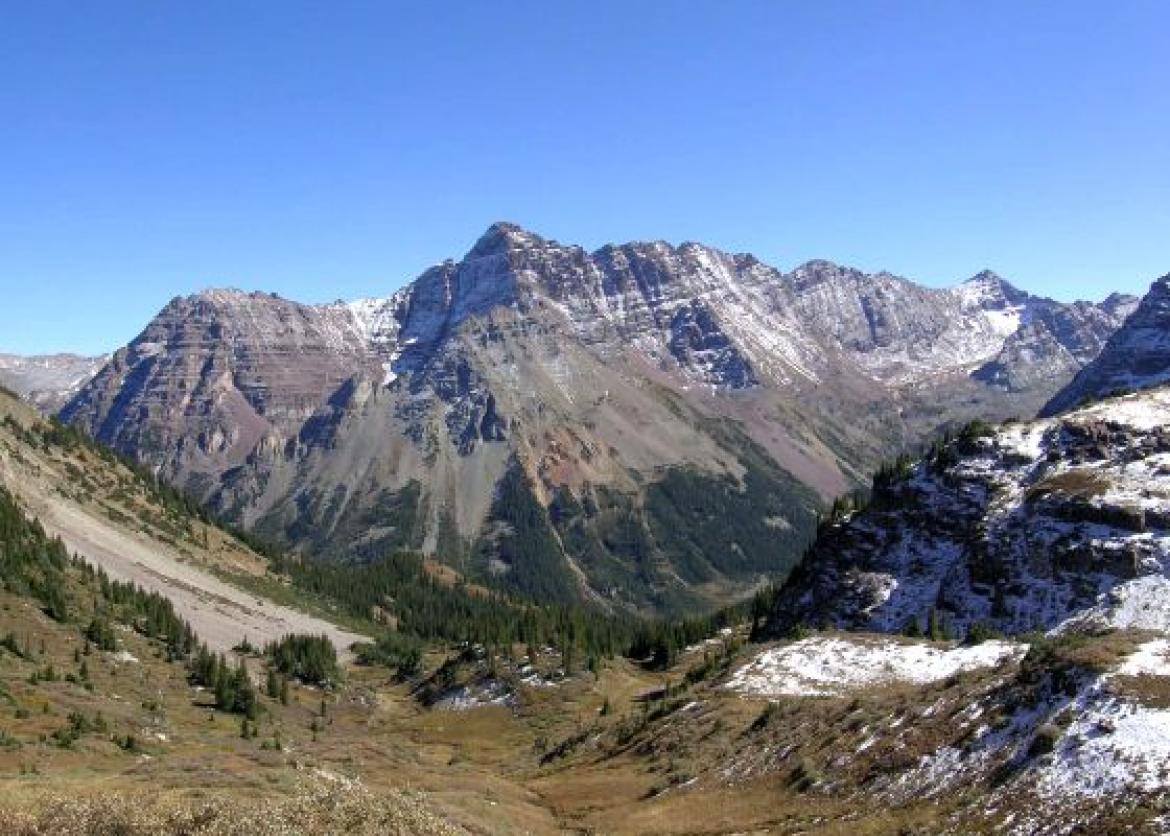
(832, 666)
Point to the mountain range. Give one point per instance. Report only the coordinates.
(1034, 525)
(48, 381)
(647, 426)
(976, 642)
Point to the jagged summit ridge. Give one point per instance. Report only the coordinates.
(650, 295)
(501, 237)
(1136, 356)
(615, 385)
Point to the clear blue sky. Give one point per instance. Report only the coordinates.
(325, 150)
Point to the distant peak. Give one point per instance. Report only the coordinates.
(989, 289)
(223, 294)
(1116, 301)
(992, 280)
(506, 227)
(986, 277)
(820, 267)
(502, 236)
(220, 298)
(1154, 308)
(820, 270)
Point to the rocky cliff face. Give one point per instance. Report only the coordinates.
(217, 376)
(650, 424)
(1136, 356)
(48, 381)
(1029, 526)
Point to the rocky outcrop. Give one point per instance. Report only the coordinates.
(1029, 526)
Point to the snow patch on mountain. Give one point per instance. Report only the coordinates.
(1139, 604)
(376, 318)
(1112, 746)
(1152, 658)
(829, 666)
(1113, 743)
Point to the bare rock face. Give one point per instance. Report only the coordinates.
(48, 381)
(1137, 355)
(215, 376)
(643, 422)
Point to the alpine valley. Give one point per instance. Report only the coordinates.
(647, 540)
(648, 427)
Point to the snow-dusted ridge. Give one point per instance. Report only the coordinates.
(1061, 523)
(757, 321)
(1136, 356)
(593, 371)
(1032, 754)
(48, 381)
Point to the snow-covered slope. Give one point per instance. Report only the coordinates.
(1058, 522)
(830, 666)
(1064, 735)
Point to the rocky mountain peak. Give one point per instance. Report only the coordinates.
(990, 279)
(529, 359)
(1120, 303)
(229, 295)
(1154, 310)
(990, 291)
(223, 297)
(818, 272)
(502, 237)
(1137, 356)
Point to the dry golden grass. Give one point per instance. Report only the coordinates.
(717, 763)
(1147, 690)
(1082, 483)
(1095, 653)
(322, 806)
(469, 766)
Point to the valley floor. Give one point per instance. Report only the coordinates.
(828, 733)
(701, 748)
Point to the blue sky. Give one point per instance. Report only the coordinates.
(334, 150)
